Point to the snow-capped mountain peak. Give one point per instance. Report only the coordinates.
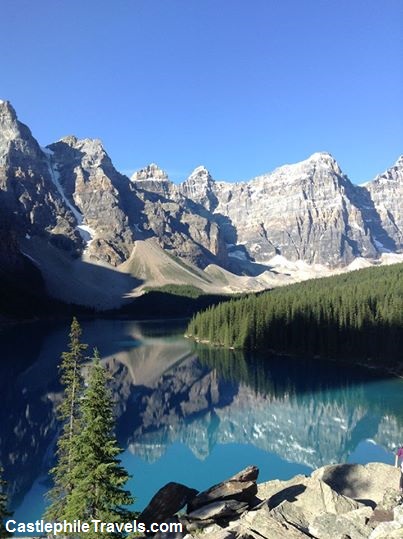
(304, 212)
(399, 162)
(150, 172)
(200, 172)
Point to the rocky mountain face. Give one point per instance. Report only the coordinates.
(28, 193)
(70, 195)
(305, 212)
(309, 211)
(180, 225)
(99, 197)
(386, 193)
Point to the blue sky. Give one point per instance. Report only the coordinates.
(241, 86)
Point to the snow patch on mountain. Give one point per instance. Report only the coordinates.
(391, 258)
(199, 172)
(150, 172)
(358, 263)
(381, 246)
(46, 151)
(240, 255)
(86, 233)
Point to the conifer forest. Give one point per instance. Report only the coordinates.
(357, 316)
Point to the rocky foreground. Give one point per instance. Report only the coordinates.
(345, 501)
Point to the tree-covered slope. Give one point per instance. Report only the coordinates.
(353, 316)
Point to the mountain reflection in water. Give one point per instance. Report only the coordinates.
(187, 411)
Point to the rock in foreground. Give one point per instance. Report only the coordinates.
(335, 502)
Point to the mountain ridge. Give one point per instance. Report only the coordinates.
(70, 197)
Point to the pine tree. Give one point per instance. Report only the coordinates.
(68, 412)
(359, 315)
(4, 513)
(98, 476)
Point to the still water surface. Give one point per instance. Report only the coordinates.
(192, 414)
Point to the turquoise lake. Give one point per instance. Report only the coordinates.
(189, 413)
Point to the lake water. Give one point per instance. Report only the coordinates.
(192, 414)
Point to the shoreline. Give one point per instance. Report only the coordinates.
(359, 363)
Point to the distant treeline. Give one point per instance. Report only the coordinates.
(358, 315)
(169, 301)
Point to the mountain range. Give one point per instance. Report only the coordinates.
(100, 238)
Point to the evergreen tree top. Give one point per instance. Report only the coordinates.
(4, 512)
